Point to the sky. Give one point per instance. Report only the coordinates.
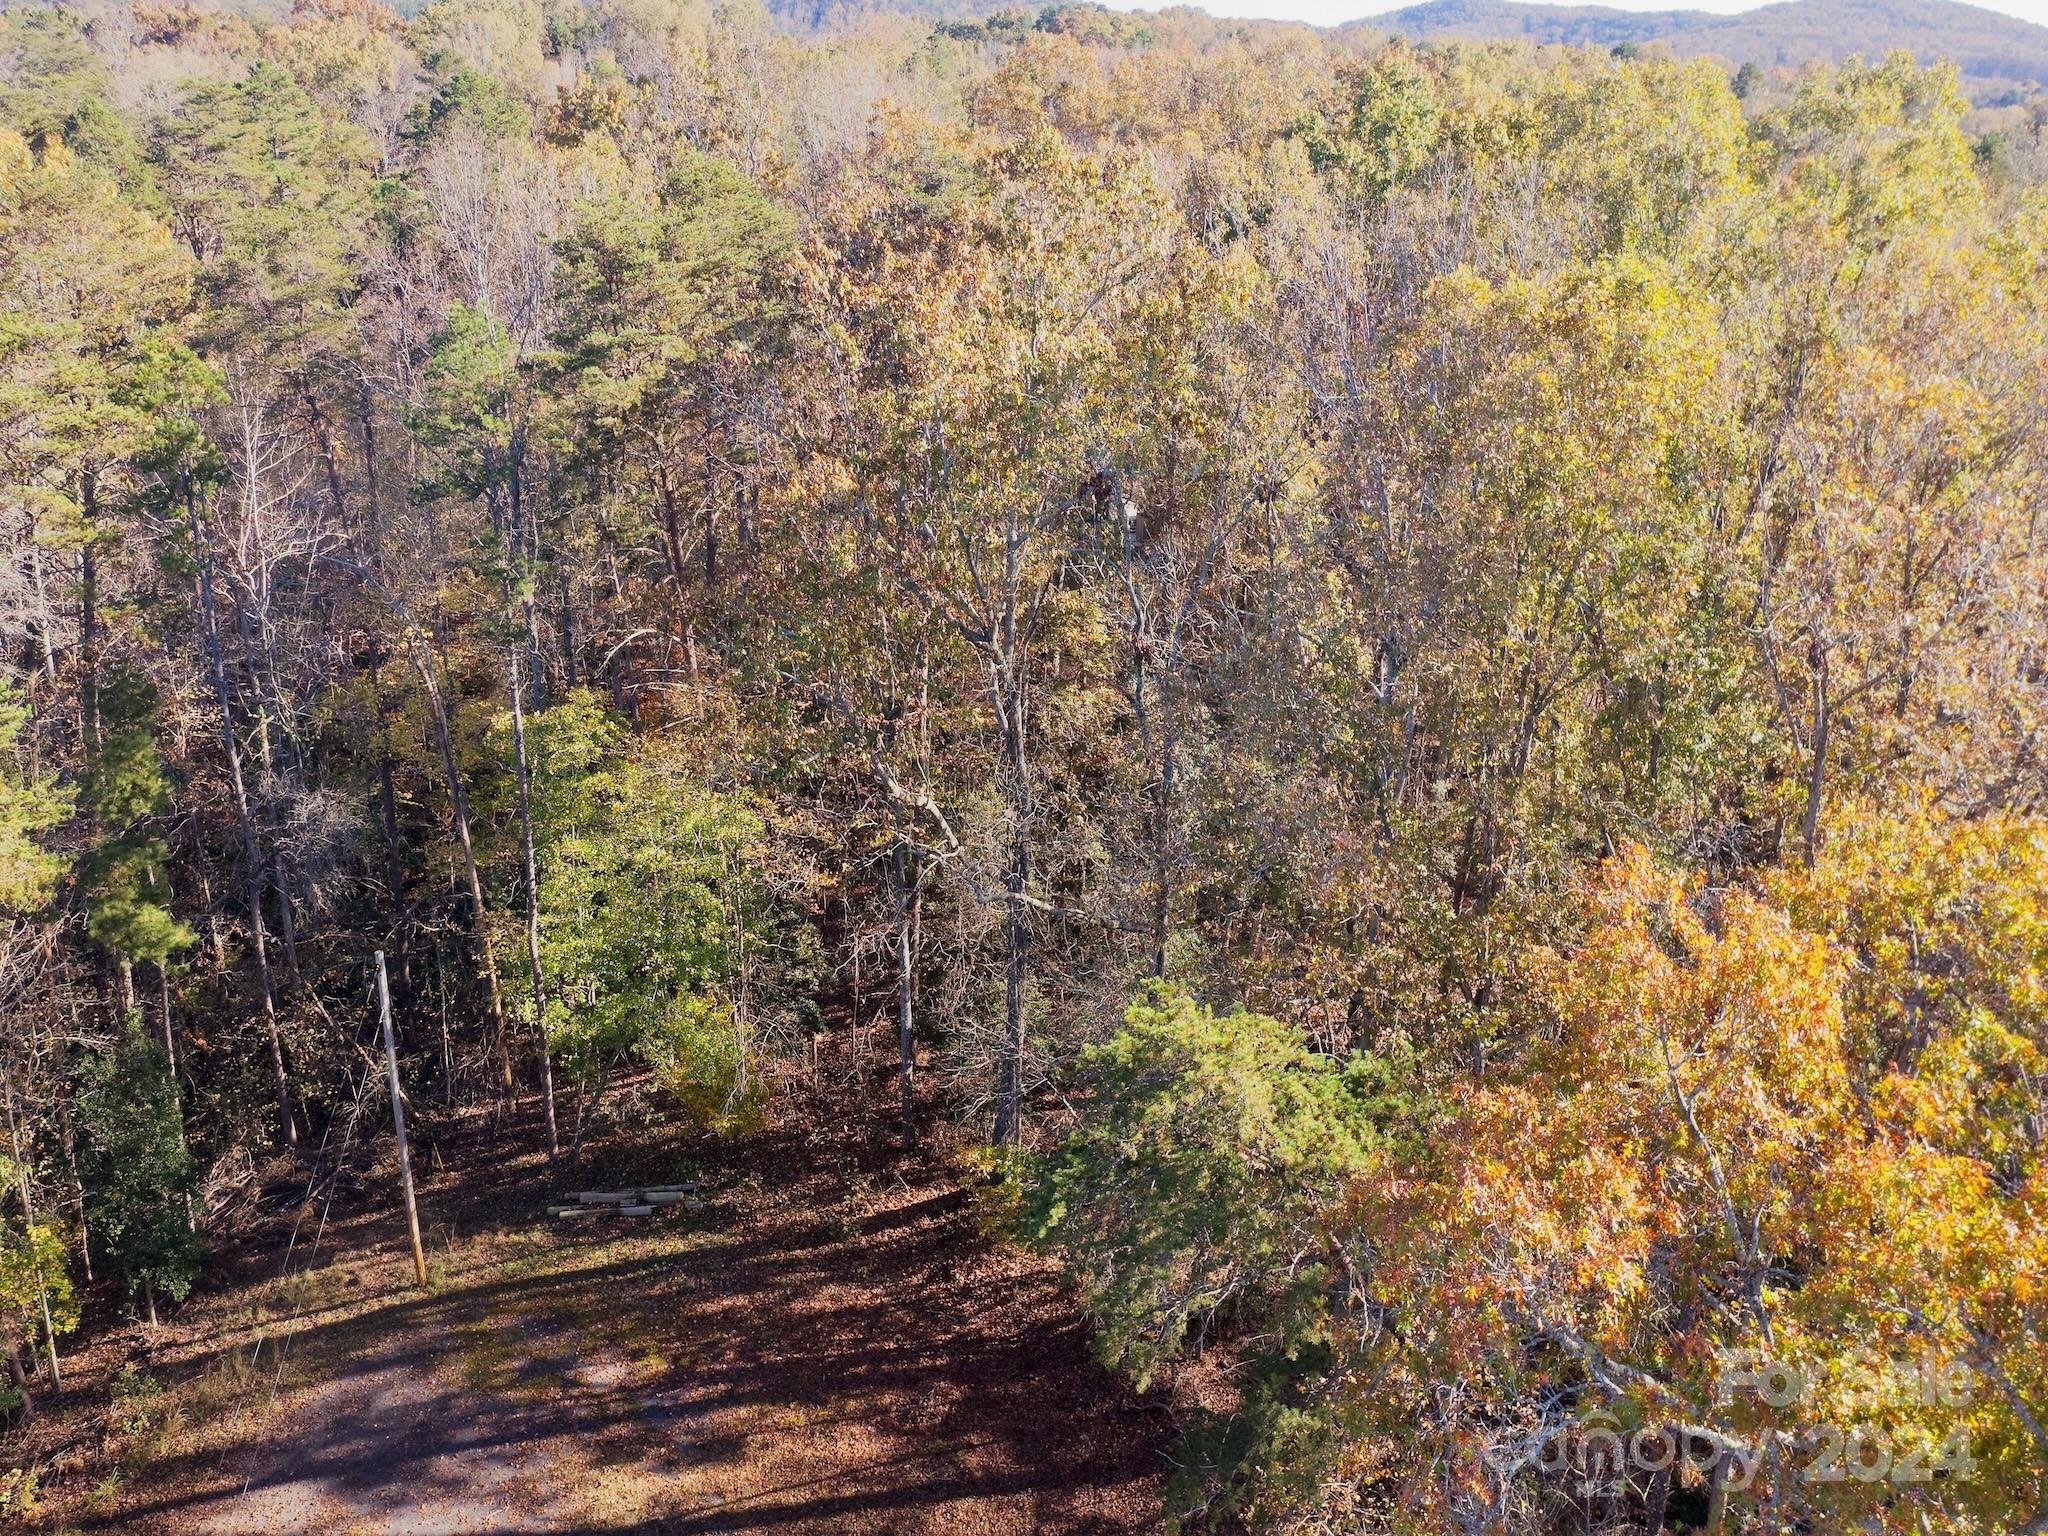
(1331, 12)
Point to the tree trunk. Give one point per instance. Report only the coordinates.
(88, 616)
(287, 925)
(163, 988)
(276, 752)
(458, 813)
(330, 461)
(1816, 775)
(1162, 839)
(251, 850)
(1717, 1491)
(1659, 1497)
(67, 1143)
(565, 624)
(26, 1191)
(46, 621)
(525, 541)
(19, 1378)
(366, 408)
(906, 1046)
(532, 877)
(394, 880)
(394, 859)
(216, 941)
(672, 530)
(387, 793)
(412, 1209)
(447, 1051)
(1009, 1119)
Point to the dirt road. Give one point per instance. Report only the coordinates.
(829, 1346)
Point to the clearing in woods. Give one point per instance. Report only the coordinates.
(828, 1345)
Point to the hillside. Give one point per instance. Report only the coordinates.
(1075, 774)
(1995, 55)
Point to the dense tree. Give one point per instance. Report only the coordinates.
(1498, 594)
(138, 1170)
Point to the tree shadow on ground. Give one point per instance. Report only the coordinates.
(824, 1348)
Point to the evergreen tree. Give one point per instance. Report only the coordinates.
(125, 789)
(30, 805)
(138, 1174)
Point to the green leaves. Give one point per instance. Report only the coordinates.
(272, 195)
(655, 289)
(1214, 1147)
(1202, 1204)
(124, 789)
(475, 403)
(87, 283)
(660, 940)
(1388, 130)
(29, 807)
(467, 99)
(136, 1169)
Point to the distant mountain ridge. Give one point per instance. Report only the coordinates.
(1994, 54)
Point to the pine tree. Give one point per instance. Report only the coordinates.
(137, 1170)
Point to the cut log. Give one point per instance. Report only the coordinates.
(625, 1202)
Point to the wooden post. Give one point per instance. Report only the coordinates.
(412, 1210)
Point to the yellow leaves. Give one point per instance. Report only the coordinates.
(1702, 1034)
(70, 242)
(1048, 79)
(1971, 1087)
(1462, 288)
(2018, 249)
(1058, 315)
(1696, 1158)
(1949, 926)
(1649, 151)
(1871, 150)
(15, 161)
(1574, 395)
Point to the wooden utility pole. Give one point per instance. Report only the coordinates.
(412, 1210)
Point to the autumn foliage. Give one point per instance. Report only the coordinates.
(1408, 682)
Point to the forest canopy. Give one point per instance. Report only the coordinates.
(1411, 681)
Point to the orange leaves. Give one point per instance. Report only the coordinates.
(1802, 1121)
(1694, 1019)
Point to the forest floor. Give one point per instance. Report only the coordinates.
(830, 1344)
